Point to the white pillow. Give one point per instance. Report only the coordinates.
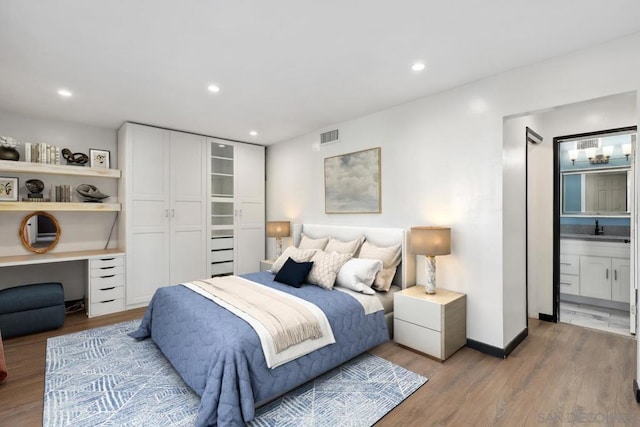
(390, 257)
(307, 242)
(358, 274)
(298, 255)
(350, 247)
(325, 268)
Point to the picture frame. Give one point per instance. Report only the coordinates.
(352, 183)
(9, 187)
(99, 158)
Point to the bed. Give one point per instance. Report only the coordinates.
(219, 355)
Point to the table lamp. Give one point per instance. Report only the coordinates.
(278, 229)
(430, 242)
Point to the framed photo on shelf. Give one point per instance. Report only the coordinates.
(99, 158)
(8, 189)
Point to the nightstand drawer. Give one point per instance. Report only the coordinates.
(422, 339)
(414, 310)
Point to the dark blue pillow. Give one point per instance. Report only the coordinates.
(293, 273)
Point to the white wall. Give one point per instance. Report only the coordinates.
(444, 162)
(80, 231)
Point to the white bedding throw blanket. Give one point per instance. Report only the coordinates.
(288, 326)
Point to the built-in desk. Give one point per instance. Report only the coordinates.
(105, 282)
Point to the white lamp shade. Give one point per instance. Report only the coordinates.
(626, 149)
(573, 154)
(607, 150)
(431, 241)
(278, 228)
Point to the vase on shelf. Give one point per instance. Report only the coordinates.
(9, 153)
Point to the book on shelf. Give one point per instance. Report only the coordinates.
(42, 153)
(62, 193)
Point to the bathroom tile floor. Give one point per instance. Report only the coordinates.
(589, 316)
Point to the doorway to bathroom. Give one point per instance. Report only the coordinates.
(594, 202)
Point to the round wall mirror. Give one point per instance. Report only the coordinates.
(40, 232)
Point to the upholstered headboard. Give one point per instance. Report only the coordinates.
(406, 272)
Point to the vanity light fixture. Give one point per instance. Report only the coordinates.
(626, 150)
(430, 241)
(573, 155)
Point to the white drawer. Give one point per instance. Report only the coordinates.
(222, 243)
(106, 262)
(218, 256)
(569, 284)
(107, 307)
(107, 294)
(107, 271)
(569, 264)
(109, 281)
(417, 311)
(418, 338)
(222, 268)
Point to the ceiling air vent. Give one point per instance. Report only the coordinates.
(588, 143)
(329, 137)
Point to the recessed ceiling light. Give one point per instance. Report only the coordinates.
(253, 133)
(213, 88)
(65, 93)
(418, 66)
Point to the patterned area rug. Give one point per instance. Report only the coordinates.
(102, 377)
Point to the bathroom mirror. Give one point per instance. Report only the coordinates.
(596, 192)
(40, 232)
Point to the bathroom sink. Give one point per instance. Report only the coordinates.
(598, 238)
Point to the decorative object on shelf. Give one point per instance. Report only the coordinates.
(35, 187)
(352, 182)
(90, 193)
(8, 189)
(278, 229)
(100, 158)
(40, 232)
(430, 242)
(8, 149)
(76, 159)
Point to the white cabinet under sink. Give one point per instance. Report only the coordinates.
(595, 269)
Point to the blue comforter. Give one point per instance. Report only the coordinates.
(219, 355)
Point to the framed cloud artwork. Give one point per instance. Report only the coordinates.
(352, 182)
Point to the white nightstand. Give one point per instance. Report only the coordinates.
(266, 264)
(432, 324)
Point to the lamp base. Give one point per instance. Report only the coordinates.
(278, 247)
(430, 274)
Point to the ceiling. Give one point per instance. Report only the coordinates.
(284, 67)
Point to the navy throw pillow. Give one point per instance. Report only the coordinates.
(293, 273)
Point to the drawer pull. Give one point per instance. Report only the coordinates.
(107, 259)
(615, 274)
(106, 277)
(565, 283)
(565, 263)
(107, 289)
(607, 275)
(104, 302)
(107, 268)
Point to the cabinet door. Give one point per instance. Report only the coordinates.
(621, 279)
(595, 277)
(146, 212)
(187, 225)
(250, 215)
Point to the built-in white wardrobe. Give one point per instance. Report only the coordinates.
(237, 207)
(163, 190)
(173, 227)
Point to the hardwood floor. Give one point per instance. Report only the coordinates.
(560, 375)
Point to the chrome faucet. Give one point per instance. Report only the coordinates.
(599, 230)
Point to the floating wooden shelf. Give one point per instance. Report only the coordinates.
(56, 206)
(44, 168)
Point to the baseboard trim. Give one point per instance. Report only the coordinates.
(636, 390)
(547, 317)
(502, 353)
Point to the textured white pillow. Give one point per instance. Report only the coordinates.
(350, 247)
(298, 255)
(358, 274)
(307, 242)
(390, 257)
(325, 268)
